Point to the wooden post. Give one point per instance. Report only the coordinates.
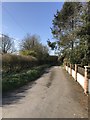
(65, 66)
(86, 81)
(70, 69)
(76, 72)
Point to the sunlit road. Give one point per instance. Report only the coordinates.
(54, 95)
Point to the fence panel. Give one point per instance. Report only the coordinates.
(81, 71)
(73, 73)
(80, 79)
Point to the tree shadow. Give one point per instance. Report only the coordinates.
(14, 96)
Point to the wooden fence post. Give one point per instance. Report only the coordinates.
(65, 66)
(76, 67)
(70, 69)
(86, 81)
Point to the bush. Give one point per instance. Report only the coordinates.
(14, 63)
(28, 52)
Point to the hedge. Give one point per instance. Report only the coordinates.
(14, 63)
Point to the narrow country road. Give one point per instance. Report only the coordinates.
(54, 95)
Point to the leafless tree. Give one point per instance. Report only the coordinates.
(7, 44)
(32, 43)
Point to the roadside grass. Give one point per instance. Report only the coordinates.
(11, 81)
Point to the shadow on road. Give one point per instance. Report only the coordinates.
(15, 96)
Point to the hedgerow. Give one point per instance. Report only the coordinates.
(12, 63)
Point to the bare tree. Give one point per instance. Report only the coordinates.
(7, 44)
(32, 43)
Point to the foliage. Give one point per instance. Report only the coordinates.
(71, 27)
(84, 32)
(52, 45)
(28, 52)
(31, 46)
(14, 63)
(16, 80)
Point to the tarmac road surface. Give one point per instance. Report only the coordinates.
(54, 95)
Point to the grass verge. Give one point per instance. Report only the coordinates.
(15, 80)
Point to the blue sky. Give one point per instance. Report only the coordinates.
(20, 18)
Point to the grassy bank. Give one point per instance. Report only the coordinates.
(11, 81)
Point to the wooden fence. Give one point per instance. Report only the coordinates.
(80, 74)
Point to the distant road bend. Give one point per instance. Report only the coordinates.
(54, 95)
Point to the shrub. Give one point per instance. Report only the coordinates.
(14, 63)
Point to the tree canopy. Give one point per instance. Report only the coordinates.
(70, 29)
